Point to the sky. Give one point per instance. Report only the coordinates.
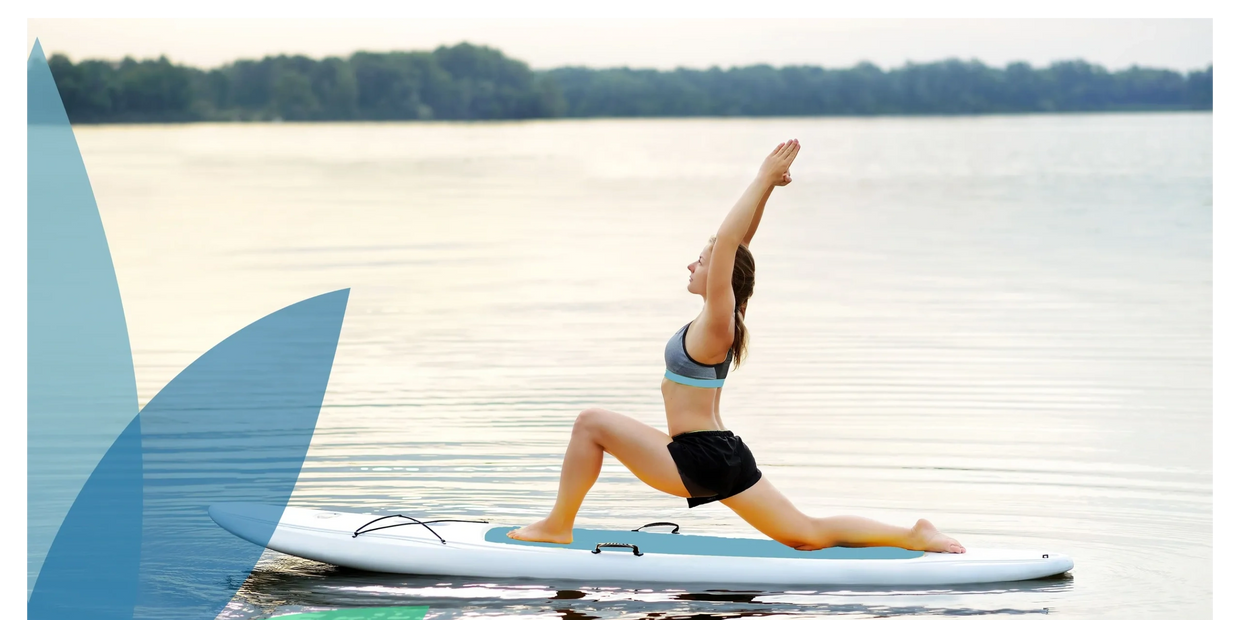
(1180, 44)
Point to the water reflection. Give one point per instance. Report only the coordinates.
(284, 585)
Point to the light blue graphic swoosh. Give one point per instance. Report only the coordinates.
(80, 378)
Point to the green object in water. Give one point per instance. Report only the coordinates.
(363, 613)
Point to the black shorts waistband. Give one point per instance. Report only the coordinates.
(708, 433)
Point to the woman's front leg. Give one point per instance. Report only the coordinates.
(639, 447)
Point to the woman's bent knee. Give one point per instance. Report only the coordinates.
(589, 421)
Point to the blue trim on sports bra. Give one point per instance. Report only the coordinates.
(706, 383)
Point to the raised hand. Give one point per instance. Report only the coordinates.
(775, 167)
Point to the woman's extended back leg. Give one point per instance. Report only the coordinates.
(639, 447)
(765, 508)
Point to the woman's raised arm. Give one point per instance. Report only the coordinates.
(737, 228)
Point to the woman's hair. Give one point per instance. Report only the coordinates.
(742, 289)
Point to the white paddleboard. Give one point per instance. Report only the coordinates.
(480, 549)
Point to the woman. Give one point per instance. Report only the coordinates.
(700, 460)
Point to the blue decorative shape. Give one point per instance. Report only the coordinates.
(91, 570)
(233, 426)
(117, 522)
(80, 385)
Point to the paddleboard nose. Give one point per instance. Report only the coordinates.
(1059, 562)
(252, 522)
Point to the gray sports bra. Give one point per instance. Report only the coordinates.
(683, 369)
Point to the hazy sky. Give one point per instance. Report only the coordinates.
(663, 44)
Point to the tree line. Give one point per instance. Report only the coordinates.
(469, 82)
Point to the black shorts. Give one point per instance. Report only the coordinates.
(714, 465)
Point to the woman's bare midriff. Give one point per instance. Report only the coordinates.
(691, 408)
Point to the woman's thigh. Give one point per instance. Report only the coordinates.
(639, 447)
(769, 512)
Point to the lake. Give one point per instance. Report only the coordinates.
(999, 323)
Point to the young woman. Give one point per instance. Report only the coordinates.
(700, 460)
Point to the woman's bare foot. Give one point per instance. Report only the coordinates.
(541, 532)
(926, 537)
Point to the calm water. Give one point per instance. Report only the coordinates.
(1002, 324)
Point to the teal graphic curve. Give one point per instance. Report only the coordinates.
(91, 570)
(118, 499)
(80, 379)
(233, 426)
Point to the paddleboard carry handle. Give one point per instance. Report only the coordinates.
(599, 547)
(675, 528)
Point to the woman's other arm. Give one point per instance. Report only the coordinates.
(757, 214)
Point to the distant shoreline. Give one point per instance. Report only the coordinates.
(474, 83)
(639, 118)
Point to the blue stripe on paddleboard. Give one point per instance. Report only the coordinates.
(691, 544)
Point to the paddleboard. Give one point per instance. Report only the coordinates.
(426, 546)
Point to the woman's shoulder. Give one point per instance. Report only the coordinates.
(714, 327)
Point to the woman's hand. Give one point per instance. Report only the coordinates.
(775, 167)
(786, 179)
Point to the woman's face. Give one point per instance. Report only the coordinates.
(697, 271)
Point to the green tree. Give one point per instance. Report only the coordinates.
(470, 82)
